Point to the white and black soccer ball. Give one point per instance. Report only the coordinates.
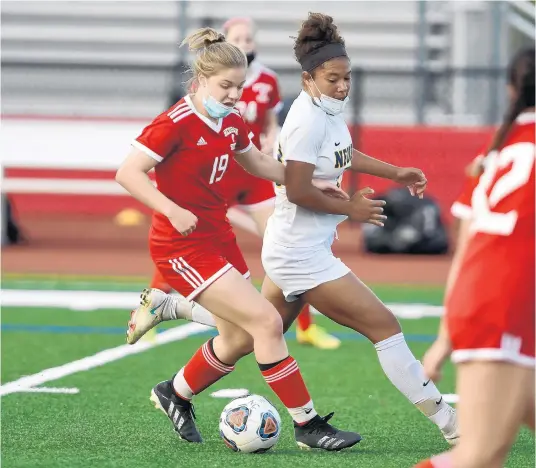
(250, 424)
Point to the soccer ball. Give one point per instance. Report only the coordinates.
(250, 424)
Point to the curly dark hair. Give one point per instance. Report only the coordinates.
(316, 31)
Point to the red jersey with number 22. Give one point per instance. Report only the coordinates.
(193, 153)
(491, 306)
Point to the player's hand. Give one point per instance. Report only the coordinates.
(364, 210)
(414, 179)
(476, 167)
(435, 358)
(330, 189)
(183, 221)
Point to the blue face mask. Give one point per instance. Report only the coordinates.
(215, 108)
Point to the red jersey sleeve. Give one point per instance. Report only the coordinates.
(159, 139)
(461, 208)
(244, 136)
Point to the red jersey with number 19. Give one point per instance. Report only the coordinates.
(193, 153)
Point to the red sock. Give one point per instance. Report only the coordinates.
(159, 282)
(286, 381)
(424, 464)
(304, 319)
(201, 372)
(439, 461)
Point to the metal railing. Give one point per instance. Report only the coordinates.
(423, 96)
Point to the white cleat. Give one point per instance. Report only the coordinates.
(147, 316)
(450, 431)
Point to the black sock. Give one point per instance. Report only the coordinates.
(211, 347)
(265, 367)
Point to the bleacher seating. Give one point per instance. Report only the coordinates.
(121, 51)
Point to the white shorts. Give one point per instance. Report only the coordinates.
(296, 270)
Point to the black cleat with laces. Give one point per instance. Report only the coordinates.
(319, 434)
(179, 411)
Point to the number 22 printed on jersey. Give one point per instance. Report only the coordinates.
(491, 190)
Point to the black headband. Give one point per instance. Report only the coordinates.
(318, 56)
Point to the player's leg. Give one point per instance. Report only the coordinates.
(494, 399)
(247, 309)
(531, 408)
(287, 310)
(215, 359)
(347, 301)
(158, 306)
(208, 279)
(257, 199)
(212, 361)
(158, 282)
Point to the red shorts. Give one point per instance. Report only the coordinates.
(495, 327)
(247, 190)
(194, 267)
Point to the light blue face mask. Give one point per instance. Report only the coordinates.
(215, 108)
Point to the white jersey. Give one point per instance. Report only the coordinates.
(312, 136)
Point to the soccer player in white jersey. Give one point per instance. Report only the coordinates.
(297, 257)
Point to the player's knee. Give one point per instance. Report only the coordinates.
(269, 322)
(385, 326)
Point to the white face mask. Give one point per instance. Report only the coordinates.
(328, 104)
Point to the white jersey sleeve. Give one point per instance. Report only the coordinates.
(304, 141)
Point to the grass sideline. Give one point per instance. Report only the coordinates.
(111, 423)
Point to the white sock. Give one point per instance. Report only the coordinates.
(407, 374)
(303, 414)
(178, 307)
(202, 315)
(181, 387)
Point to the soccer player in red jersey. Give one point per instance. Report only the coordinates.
(489, 324)
(259, 104)
(193, 246)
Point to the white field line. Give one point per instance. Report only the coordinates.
(230, 393)
(68, 391)
(101, 358)
(91, 300)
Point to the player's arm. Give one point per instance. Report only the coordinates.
(301, 191)
(133, 177)
(261, 165)
(411, 177)
(372, 166)
(459, 253)
(462, 212)
(302, 147)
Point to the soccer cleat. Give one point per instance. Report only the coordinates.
(318, 433)
(450, 431)
(180, 412)
(317, 337)
(147, 316)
